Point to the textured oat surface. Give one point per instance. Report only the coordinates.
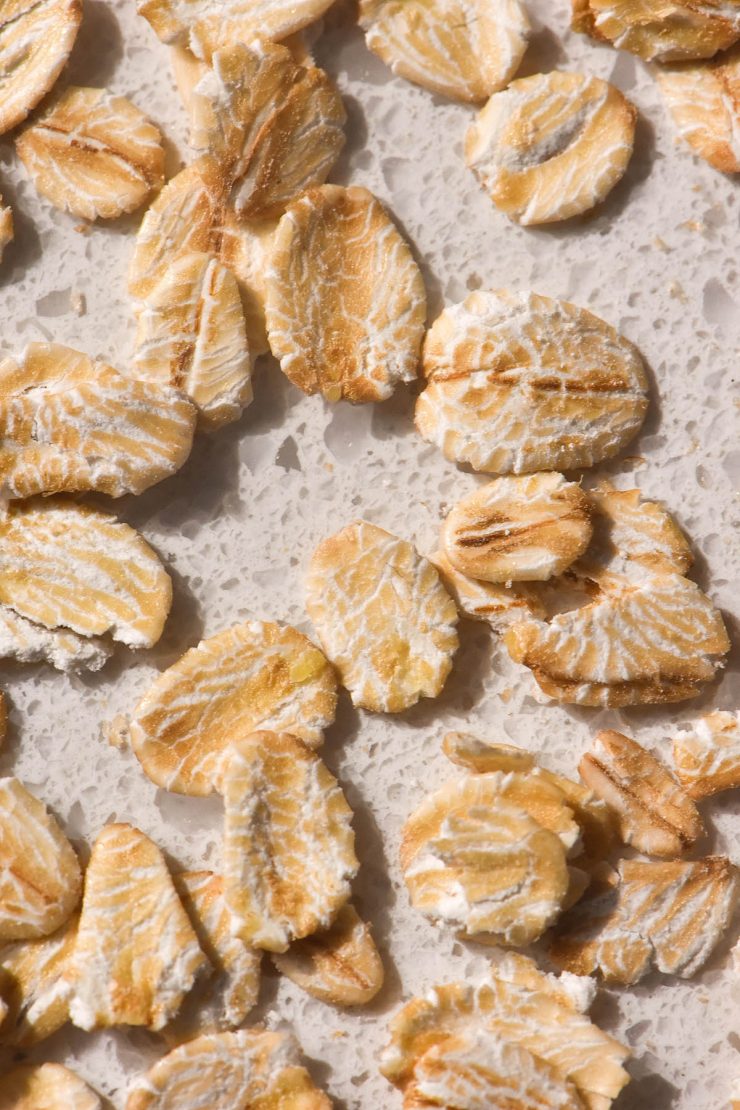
(236, 527)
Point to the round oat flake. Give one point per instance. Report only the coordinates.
(459, 49)
(518, 383)
(345, 301)
(661, 30)
(36, 39)
(383, 617)
(551, 146)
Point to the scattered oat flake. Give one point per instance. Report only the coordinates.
(669, 914)
(481, 756)
(230, 1071)
(346, 303)
(6, 226)
(232, 992)
(660, 30)
(383, 617)
(254, 675)
(340, 966)
(515, 529)
(35, 985)
(707, 754)
(40, 877)
(496, 604)
(458, 48)
(69, 424)
(93, 154)
(136, 955)
(551, 146)
(639, 531)
(704, 101)
(28, 642)
(36, 39)
(518, 382)
(521, 1006)
(46, 1087)
(487, 853)
(192, 336)
(288, 843)
(275, 126)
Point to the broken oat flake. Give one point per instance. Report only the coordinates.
(36, 39)
(660, 30)
(704, 102)
(35, 985)
(340, 965)
(707, 754)
(492, 602)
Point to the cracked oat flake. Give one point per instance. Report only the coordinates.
(462, 49)
(551, 146)
(346, 303)
(36, 39)
(255, 675)
(704, 103)
(35, 986)
(46, 1087)
(383, 617)
(93, 154)
(706, 754)
(340, 966)
(660, 30)
(136, 955)
(288, 843)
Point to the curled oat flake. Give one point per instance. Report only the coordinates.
(667, 914)
(46, 1087)
(660, 30)
(65, 650)
(288, 843)
(36, 39)
(191, 335)
(655, 814)
(136, 955)
(40, 878)
(517, 382)
(35, 985)
(516, 529)
(551, 146)
(274, 126)
(458, 48)
(252, 1068)
(706, 755)
(704, 102)
(383, 617)
(521, 1006)
(69, 424)
(254, 675)
(93, 154)
(494, 603)
(340, 965)
(346, 303)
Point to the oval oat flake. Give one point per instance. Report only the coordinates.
(93, 154)
(551, 146)
(36, 39)
(345, 301)
(518, 382)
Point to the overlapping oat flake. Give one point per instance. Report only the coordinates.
(660, 30)
(706, 755)
(35, 985)
(704, 102)
(498, 604)
(36, 39)
(46, 1087)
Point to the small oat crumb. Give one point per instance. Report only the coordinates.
(78, 302)
(116, 731)
(660, 244)
(676, 291)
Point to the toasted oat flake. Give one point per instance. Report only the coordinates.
(136, 954)
(466, 49)
(93, 154)
(36, 39)
(518, 383)
(28, 642)
(521, 1006)
(340, 965)
(69, 424)
(494, 603)
(707, 754)
(252, 1068)
(6, 226)
(488, 853)
(46, 1087)
(229, 996)
(638, 532)
(655, 813)
(704, 101)
(383, 617)
(667, 914)
(516, 529)
(254, 675)
(35, 985)
(205, 29)
(481, 756)
(40, 877)
(345, 299)
(288, 843)
(661, 30)
(192, 336)
(275, 126)
(551, 146)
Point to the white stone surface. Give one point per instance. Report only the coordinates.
(237, 525)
